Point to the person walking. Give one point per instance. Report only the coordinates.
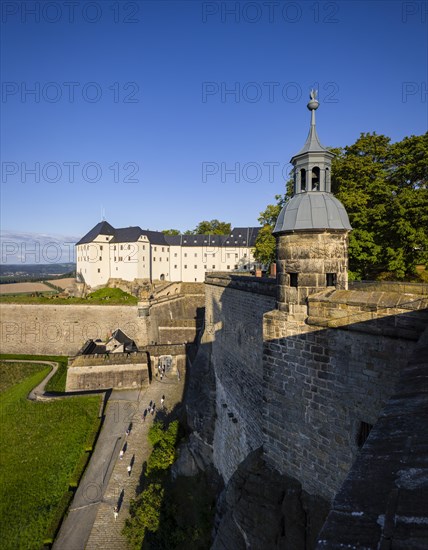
(121, 454)
(162, 400)
(115, 513)
(129, 468)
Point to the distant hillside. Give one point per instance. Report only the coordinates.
(20, 248)
(17, 273)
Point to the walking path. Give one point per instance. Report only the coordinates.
(90, 523)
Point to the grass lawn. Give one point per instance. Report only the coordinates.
(41, 445)
(101, 297)
(58, 380)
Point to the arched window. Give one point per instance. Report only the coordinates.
(303, 179)
(315, 178)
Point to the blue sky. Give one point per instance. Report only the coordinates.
(152, 130)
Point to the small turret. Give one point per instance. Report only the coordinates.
(312, 228)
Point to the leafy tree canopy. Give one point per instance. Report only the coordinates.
(383, 187)
(171, 232)
(213, 227)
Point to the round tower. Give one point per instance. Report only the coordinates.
(312, 228)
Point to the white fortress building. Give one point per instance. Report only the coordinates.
(132, 253)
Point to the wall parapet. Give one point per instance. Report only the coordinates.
(256, 285)
(390, 286)
(376, 312)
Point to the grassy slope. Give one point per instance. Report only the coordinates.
(41, 444)
(58, 380)
(102, 297)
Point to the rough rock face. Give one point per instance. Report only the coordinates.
(196, 454)
(261, 509)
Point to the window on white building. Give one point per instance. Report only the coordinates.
(175, 267)
(228, 267)
(196, 255)
(185, 254)
(196, 267)
(99, 270)
(185, 267)
(101, 247)
(205, 266)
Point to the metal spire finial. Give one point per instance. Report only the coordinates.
(313, 105)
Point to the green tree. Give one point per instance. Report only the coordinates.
(265, 245)
(171, 232)
(213, 227)
(383, 187)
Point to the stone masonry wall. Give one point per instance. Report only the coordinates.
(233, 323)
(63, 329)
(103, 377)
(319, 385)
(311, 256)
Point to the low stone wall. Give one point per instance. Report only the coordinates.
(122, 370)
(128, 376)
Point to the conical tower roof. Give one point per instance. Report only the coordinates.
(314, 208)
(312, 143)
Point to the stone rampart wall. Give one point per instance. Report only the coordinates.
(233, 322)
(321, 383)
(383, 500)
(173, 310)
(63, 329)
(300, 389)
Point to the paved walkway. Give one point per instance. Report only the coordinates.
(90, 523)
